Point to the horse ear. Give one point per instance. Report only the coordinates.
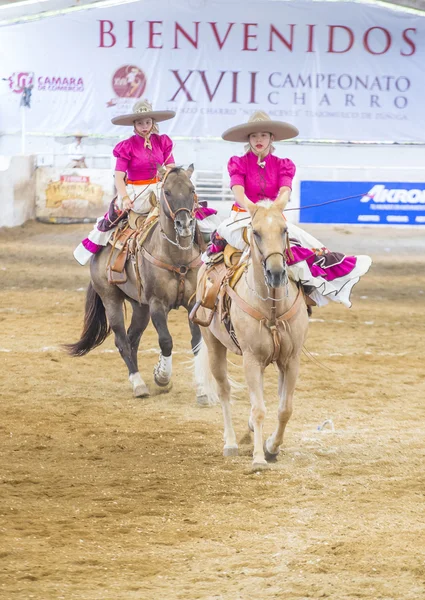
(189, 170)
(283, 201)
(161, 171)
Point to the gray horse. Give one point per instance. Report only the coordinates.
(168, 264)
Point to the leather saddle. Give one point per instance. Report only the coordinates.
(124, 242)
(213, 276)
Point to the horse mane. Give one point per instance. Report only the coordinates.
(176, 170)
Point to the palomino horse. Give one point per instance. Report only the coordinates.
(270, 320)
(168, 265)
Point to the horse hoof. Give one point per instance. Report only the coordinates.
(230, 451)
(140, 388)
(202, 401)
(260, 465)
(141, 391)
(162, 370)
(270, 456)
(162, 381)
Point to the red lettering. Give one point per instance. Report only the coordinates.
(409, 42)
(153, 33)
(207, 87)
(366, 40)
(274, 31)
(182, 86)
(310, 38)
(247, 36)
(220, 42)
(235, 87)
(193, 41)
(80, 81)
(130, 34)
(253, 87)
(332, 29)
(104, 32)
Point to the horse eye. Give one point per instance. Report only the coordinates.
(257, 235)
(167, 193)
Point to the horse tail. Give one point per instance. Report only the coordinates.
(204, 379)
(96, 328)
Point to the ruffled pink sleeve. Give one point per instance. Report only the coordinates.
(237, 171)
(167, 149)
(286, 172)
(123, 154)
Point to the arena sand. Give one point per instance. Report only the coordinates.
(104, 496)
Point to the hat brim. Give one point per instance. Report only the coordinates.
(279, 129)
(157, 115)
(77, 134)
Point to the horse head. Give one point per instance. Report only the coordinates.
(269, 239)
(178, 199)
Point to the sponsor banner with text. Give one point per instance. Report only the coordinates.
(375, 203)
(340, 71)
(72, 195)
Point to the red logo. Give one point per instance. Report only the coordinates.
(129, 82)
(75, 179)
(18, 81)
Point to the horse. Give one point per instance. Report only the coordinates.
(270, 320)
(167, 265)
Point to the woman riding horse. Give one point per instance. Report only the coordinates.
(259, 175)
(136, 176)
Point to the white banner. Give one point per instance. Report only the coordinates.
(340, 71)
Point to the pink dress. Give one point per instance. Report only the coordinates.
(261, 183)
(139, 162)
(326, 274)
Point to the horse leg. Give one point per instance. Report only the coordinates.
(139, 322)
(115, 315)
(163, 368)
(254, 378)
(287, 380)
(213, 360)
(195, 342)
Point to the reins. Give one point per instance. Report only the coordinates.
(179, 270)
(272, 321)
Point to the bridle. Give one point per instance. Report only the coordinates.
(173, 216)
(180, 270)
(264, 259)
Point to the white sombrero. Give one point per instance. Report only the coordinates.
(258, 122)
(143, 110)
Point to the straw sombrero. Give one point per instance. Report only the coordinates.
(143, 110)
(78, 133)
(258, 122)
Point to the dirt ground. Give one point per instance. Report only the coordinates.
(104, 496)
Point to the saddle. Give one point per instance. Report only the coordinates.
(215, 276)
(125, 241)
(216, 290)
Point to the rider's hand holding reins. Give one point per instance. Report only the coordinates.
(127, 202)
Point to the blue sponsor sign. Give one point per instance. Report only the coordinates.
(376, 203)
